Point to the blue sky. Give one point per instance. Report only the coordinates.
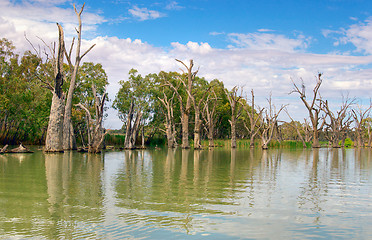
(261, 45)
(210, 21)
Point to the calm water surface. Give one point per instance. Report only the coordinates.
(186, 194)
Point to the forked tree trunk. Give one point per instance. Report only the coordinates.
(69, 140)
(54, 137)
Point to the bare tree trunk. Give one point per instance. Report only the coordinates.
(236, 111)
(233, 132)
(185, 130)
(54, 138)
(197, 130)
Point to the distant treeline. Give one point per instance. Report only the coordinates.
(162, 108)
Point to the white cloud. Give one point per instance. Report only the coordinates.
(173, 5)
(262, 40)
(359, 34)
(144, 14)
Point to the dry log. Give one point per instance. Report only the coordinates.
(20, 149)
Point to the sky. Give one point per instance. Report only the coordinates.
(262, 45)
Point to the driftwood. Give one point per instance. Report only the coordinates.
(19, 149)
(3, 150)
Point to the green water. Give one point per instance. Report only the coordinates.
(186, 194)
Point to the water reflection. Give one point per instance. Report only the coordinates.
(50, 196)
(175, 193)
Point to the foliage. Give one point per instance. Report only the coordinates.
(24, 105)
(348, 143)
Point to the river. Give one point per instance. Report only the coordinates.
(186, 194)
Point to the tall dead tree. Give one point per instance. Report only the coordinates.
(236, 110)
(338, 121)
(96, 134)
(185, 109)
(269, 123)
(313, 108)
(254, 119)
(69, 141)
(54, 136)
(359, 115)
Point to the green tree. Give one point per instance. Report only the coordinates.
(133, 102)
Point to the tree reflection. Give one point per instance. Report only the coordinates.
(74, 190)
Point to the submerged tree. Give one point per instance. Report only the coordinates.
(209, 116)
(92, 97)
(166, 99)
(254, 120)
(54, 137)
(313, 108)
(185, 108)
(269, 123)
(339, 121)
(359, 115)
(236, 111)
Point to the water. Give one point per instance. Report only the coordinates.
(186, 194)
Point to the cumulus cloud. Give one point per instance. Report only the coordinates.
(144, 14)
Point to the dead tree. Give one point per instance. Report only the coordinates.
(313, 108)
(96, 134)
(338, 121)
(170, 128)
(269, 122)
(198, 120)
(208, 114)
(236, 111)
(185, 110)
(254, 119)
(359, 116)
(69, 141)
(54, 136)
